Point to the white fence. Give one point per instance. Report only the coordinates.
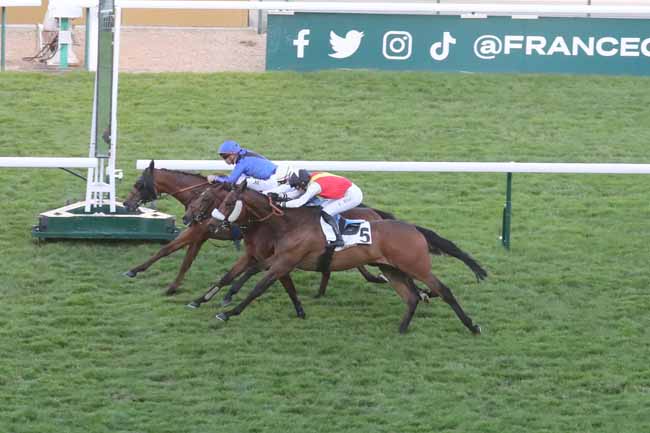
(477, 167)
(46, 162)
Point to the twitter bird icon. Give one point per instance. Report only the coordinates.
(345, 47)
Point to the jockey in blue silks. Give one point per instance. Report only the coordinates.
(260, 173)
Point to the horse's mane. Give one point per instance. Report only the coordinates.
(187, 173)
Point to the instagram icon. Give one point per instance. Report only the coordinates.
(397, 45)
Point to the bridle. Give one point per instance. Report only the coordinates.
(275, 211)
(151, 193)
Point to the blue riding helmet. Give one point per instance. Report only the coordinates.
(229, 146)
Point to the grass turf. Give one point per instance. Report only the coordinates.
(564, 314)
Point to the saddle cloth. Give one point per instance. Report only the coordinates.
(354, 232)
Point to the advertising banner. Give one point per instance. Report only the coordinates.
(316, 41)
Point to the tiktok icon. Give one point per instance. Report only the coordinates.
(440, 50)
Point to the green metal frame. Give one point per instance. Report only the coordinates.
(63, 54)
(72, 222)
(507, 214)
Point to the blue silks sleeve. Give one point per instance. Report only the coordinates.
(239, 169)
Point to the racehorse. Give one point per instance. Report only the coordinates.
(258, 239)
(185, 187)
(399, 249)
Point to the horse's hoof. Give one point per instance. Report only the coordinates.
(226, 301)
(301, 314)
(383, 278)
(130, 274)
(194, 305)
(476, 330)
(424, 297)
(222, 316)
(170, 291)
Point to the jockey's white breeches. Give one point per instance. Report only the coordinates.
(259, 185)
(352, 198)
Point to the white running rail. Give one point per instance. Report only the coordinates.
(44, 162)
(478, 167)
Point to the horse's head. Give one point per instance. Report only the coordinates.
(200, 208)
(144, 190)
(232, 207)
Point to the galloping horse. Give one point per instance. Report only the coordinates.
(185, 187)
(399, 249)
(258, 241)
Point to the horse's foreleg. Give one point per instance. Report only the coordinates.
(287, 282)
(240, 266)
(183, 239)
(324, 280)
(379, 279)
(277, 270)
(190, 255)
(238, 284)
(260, 288)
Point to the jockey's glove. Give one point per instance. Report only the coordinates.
(278, 198)
(212, 178)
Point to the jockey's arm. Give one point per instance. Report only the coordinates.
(313, 189)
(235, 174)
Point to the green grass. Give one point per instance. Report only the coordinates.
(564, 314)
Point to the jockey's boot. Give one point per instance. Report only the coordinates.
(329, 219)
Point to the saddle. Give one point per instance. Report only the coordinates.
(353, 232)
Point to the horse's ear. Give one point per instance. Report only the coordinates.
(151, 165)
(242, 186)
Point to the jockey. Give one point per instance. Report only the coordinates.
(339, 195)
(260, 173)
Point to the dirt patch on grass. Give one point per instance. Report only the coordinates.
(149, 49)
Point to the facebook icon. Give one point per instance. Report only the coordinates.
(301, 43)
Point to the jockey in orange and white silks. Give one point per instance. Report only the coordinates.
(339, 195)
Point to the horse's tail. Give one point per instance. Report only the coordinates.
(439, 246)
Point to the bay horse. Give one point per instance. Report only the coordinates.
(399, 249)
(258, 241)
(185, 187)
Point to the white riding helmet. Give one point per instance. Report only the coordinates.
(284, 172)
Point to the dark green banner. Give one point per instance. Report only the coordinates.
(315, 41)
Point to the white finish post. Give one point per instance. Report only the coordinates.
(91, 38)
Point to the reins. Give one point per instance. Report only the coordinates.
(274, 211)
(189, 188)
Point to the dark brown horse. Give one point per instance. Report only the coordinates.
(259, 245)
(399, 249)
(185, 187)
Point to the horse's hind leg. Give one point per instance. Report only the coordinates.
(287, 282)
(379, 279)
(324, 280)
(399, 281)
(445, 293)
